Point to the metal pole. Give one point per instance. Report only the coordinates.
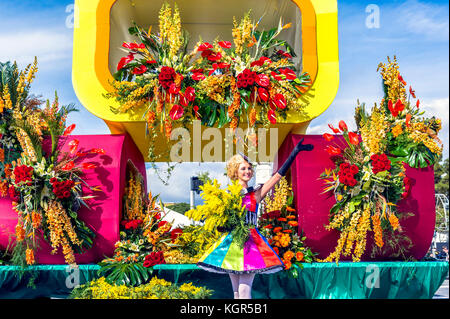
(192, 199)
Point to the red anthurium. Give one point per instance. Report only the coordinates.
(290, 74)
(277, 76)
(400, 78)
(408, 120)
(97, 151)
(133, 46)
(139, 70)
(224, 65)
(280, 101)
(196, 108)
(69, 130)
(284, 54)
(391, 108)
(260, 61)
(215, 56)
(150, 61)
(73, 144)
(204, 46)
(342, 126)
(124, 61)
(190, 93)
(272, 116)
(328, 137)
(262, 80)
(353, 137)
(198, 76)
(176, 112)
(81, 154)
(263, 94)
(412, 92)
(88, 165)
(183, 100)
(333, 150)
(68, 166)
(335, 130)
(399, 106)
(225, 44)
(174, 89)
(418, 103)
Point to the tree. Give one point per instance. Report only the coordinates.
(180, 207)
(441, 178)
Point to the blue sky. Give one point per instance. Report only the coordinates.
(416, 31)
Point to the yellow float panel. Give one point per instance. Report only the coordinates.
(101, 26)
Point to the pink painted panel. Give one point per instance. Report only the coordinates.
(105, 210)
(314, 207)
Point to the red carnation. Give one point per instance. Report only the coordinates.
(166, 77)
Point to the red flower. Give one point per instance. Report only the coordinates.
(154, 258)
(204, 46)
(263, 94)
(342, 126)
(354, 138)
(198, 76)
(88, 165)
(407, 120)
(166, 77)
(380, 163)
(418, 103)
(196, 108)
(328, 137)
(354, 169)
(175, 233)
(69, 130)
(133, 46)
(124, 61)
(150, 61)
(333, 150)
(225, 44)
(246, 78)
(70, 165)
(23, 175)
(162, 223)
(262, 80)
(139, 70)
(214, 56)
(271, 116)
(412, 92)
(277, 76)
(290, 74)
(62, 188)
(176, 112)
(396, 108)
(260, 61)
(174, 89)
(284, 54)
(279, 101)
(97, 151)
(335, 130)
(73, 144)
(13, 194)
(189, 93)
(400, 78)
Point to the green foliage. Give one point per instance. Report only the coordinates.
(441, 181)
(133, 274)
(180, 207)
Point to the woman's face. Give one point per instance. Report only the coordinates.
(245, 172)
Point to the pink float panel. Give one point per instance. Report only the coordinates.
(105, 210)
(313, 206)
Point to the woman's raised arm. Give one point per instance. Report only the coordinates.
(265, 189)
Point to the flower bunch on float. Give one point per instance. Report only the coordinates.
(369, 179)
(46, 184)
(253, 79)
(279, 224)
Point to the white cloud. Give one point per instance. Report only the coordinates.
(51, 47)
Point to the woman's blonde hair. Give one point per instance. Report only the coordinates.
(233, 166)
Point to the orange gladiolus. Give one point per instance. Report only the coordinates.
(408, 120)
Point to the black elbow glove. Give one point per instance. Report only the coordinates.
(298, 148)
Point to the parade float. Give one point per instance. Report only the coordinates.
(251, 72)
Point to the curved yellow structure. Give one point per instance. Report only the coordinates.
(101, 27)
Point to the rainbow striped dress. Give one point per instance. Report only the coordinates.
(257, 256)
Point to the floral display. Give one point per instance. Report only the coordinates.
(369, 177)
(221, 83)
(45, 184)
(278, 223)
(222, 210)
(155, 289)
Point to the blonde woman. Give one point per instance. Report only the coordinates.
(257, 256)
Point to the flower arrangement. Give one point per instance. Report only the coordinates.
(216, 83)
(155, 289)
(222, 210)
(45, 184)
(369, 177)
(278, 223)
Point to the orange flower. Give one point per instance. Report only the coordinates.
(20, 232)
(287, 265)
(291, 217)
(276, 250)
(293, 223)
(288, 255)
(299, 256)
(281, 219)
(393, 220)
(290, 209)
(2, 155)
(277, 229)
(29, 256)
(268, 226)
(36, 219)
(8, 170)
(287, 231)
